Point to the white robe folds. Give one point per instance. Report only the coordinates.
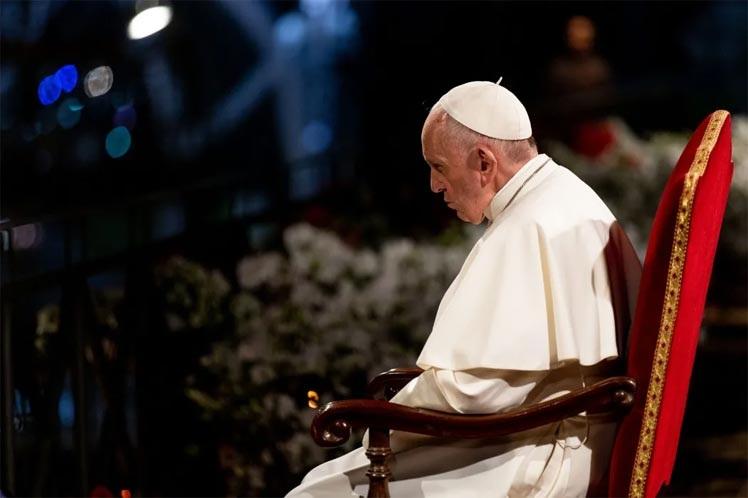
(529, 317)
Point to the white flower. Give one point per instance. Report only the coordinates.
(380, 296)
(331, 256)
(338, 308)
(395, 253)
(298, 237)
(307, 295)
(252, 272)
(317, 252)
(365, 263)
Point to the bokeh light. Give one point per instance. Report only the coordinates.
(75, 104)
(69, 112)
(317, 8)
(67, 77)
(148, 22)
(118, 142)
(66, 408)
(27, 236)
(312, 399)
(316, 137)
(290, 29)
(125, 116)
(98, 81)
(49, 90)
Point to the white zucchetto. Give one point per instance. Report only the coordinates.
(489, 109)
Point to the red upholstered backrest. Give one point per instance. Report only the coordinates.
(670, 307)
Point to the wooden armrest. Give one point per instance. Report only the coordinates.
(387, 384)
(333, 423)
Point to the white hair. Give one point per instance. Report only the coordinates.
(515, 151)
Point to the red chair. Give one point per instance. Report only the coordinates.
(651, 398)
(670, 307)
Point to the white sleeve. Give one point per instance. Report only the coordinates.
(469, 391)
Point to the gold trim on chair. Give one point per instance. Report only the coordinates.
(670, 304)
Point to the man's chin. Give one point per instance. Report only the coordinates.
(466, 219)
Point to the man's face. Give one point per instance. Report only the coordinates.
(451, 173)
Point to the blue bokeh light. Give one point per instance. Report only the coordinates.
(69, 112)
(49, 90)
(316, 137)
(317, 8)
(67, 77)
(125, 116)
(66, 408)
(75, 104)
(290, 29)
(118, 142)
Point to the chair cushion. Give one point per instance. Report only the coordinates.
(670, 307)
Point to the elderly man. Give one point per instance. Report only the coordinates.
(529, 317)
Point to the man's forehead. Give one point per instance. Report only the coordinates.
(431, 152)
(432, 141)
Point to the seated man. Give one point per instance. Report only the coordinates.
(529, 317)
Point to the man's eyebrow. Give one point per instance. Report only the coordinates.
(431, 161)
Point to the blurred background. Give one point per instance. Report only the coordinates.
(215, 216)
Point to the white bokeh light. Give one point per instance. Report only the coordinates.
(148, 22)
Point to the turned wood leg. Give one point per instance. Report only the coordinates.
(378, 453)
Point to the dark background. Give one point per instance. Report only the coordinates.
(223, 98)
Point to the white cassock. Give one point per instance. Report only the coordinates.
(528, 318)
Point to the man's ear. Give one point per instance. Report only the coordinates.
(487, 164)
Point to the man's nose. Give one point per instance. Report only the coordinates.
(436, 184)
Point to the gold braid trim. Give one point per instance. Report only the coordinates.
(670, 304)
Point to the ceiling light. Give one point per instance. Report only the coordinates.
(148, 22)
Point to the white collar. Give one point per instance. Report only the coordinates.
(511, 188)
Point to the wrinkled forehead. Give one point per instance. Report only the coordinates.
(435, 144)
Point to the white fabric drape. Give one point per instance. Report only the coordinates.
(533, 292)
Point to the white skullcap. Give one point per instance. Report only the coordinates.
(489, 109)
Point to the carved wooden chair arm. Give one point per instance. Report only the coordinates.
(387, 384)
(333, 423)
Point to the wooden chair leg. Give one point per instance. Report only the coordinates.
(378, 453)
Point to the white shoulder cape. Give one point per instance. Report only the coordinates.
(533, 293)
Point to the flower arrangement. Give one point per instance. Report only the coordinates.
(307, 325)
(630, 174)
